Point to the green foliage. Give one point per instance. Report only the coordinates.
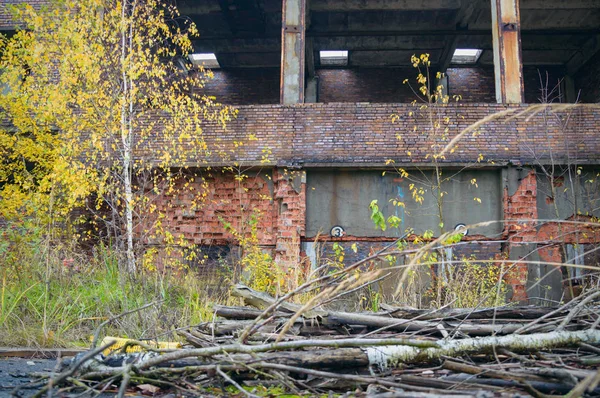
(370, 299)
(51, 295)
(83, 112)
(258, 269)
(377, 216)
(470, 284)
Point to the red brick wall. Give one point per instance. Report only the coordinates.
(363, 134)
(588, 80)
(547, 236)
(6, 19)
(522, 205)
(200, 207)
(381, 85)
(478, 84)
(472, 84)
(244, 86)
(198, 211)
(249, 86)
(291, 217)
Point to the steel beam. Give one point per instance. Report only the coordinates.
(293, 51)
(506, 35)
(380, 5)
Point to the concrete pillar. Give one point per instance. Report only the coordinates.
(292, 51)
(312, 90)
(444, 83)
(506, 34)
(570, 95)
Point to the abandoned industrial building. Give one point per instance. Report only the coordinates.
(327, 91)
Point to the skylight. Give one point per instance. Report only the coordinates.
(208, 60)
(334, 58)
(466, 55)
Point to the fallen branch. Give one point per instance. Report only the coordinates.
(393, 356)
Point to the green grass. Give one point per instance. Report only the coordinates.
(44, 303)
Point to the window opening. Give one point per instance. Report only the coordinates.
(334, 58)
(207, 60)
(466, 56)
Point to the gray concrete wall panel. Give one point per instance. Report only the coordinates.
(342, 197)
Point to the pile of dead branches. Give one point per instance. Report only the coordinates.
(399, 352)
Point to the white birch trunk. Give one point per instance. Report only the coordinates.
(126, 139)
(393, 356)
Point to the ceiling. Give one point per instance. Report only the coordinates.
(247, 33)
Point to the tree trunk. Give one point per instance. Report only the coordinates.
(393, 356)
(126, 138)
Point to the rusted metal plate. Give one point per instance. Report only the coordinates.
(506, 34)
(292, 51)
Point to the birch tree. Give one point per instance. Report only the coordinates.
(99, 93)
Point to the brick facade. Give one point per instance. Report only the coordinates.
(522, 205)
(377, 85)
(290, 196)
(472, 84)
(198, 214)
(248, 86)
(205, 202)
(244, 86)
(364, 135)
(546, 239)
(6, 19)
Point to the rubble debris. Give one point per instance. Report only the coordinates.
(398, 352)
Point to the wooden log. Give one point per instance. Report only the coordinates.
(231, 327)
(193, 340)
(346, 318)
(338, 358)
(231, 312)
(491, 373)
(546, 387)
(333, 318)
(522, 312)
(394, 356)
(263, 300)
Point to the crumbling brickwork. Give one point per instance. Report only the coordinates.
(290, 197)
(520, 210)
(546, 239)
(212, 207)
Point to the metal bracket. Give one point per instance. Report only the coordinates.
(291, 28)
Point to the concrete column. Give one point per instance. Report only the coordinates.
(570, 95)
(312, 90)
(444, 83)
(506, 33)
(292, 51)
